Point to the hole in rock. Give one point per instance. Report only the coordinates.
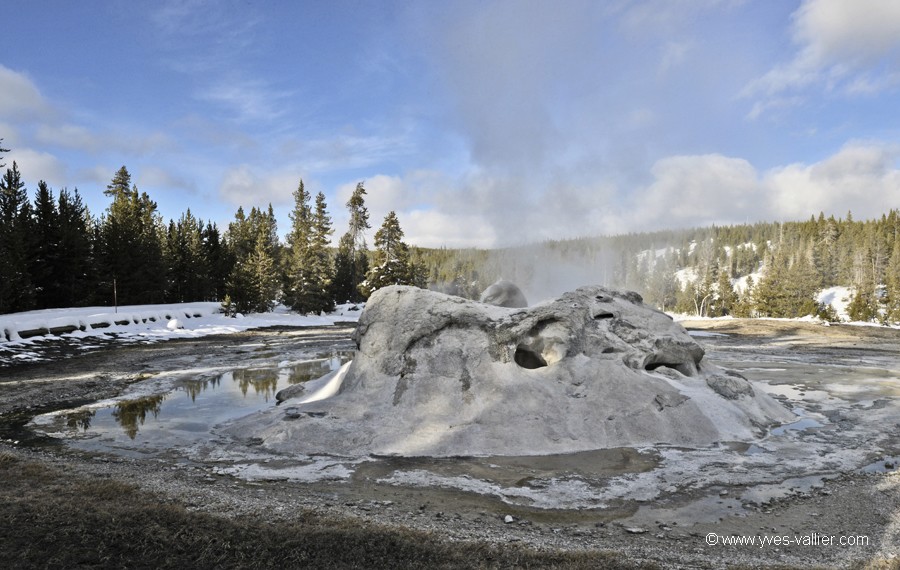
(599, 316)
(527, 358)
(682, 367)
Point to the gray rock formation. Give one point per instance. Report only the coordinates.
(504, 293)
(439, 375)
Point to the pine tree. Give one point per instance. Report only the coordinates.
(16, 292)
(310, 273)
(2, 150)
(892, 285)
(351, 264)
(322, 272)
(746, 303)
(705, 294)
(662, 287)
(726, 298)
(686, 299)
(418, 271)
(298, 273)
(864, 304)
(263, 277)
(787, 289)
(132, 235)
(391, 262)
(77, 264)
(237, 289)
(45, 253)
(252, 284)
(827, 238)
(174, 254)
(218, 262)
(186, 261)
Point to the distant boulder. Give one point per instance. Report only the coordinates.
(504, 293)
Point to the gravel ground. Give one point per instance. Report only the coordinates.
(851, 504)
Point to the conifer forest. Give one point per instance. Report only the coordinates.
(54, 253)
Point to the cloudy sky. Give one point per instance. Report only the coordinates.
(481, 123)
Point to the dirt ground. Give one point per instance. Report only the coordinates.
(849, 504)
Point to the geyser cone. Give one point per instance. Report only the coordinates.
(440, 375)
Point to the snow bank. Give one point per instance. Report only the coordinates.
(192, 320)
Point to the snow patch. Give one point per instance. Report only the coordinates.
(838, 298)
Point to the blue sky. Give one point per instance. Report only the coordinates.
(481, 123)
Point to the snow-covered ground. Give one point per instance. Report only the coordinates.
(740, 284)
(838, 298)
(152, 322)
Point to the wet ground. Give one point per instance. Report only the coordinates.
(161, 403)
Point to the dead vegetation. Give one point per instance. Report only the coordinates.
(53, 519)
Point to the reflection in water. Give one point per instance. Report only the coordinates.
(80, 419)
(263, 380)
(131, 413)
(313, 369)
(210, 401)
(195, 387)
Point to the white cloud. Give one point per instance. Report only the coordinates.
(209, 44)
(36, 165)
(861, 177)
(68, 136)
(713, 189)
(674, 54)
(77, 137)
(431, 228)
(247, 100)
(243, 186)
(856, 33)
(101, 175)
(697, 190)
(849, 46)
(347, 150)
(428, 205)
(155, 176)
(21, 98)
(383, 194)
(10, 135)
(775, 103)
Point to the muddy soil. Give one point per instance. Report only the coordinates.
(685, 527)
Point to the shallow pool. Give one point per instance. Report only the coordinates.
(187, 412)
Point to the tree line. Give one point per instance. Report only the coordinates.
(55, 253)
(767, 269)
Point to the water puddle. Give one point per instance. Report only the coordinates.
(712, 508)
(754, 449)
(766, 493)
(724, 502)
(187, 413)
(799, 425)
(521, 471)
(883, 465)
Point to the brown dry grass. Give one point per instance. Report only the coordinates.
(50, 519)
